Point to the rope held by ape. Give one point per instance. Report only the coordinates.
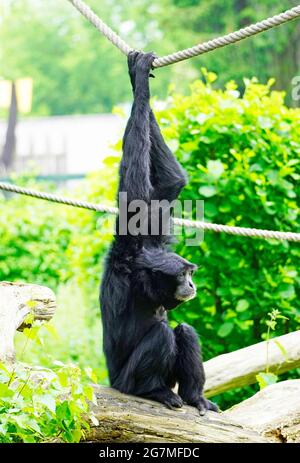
(199, 49)
(239, 231)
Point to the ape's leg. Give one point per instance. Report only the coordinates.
(149, 371)
(167, 176)
(189, 369)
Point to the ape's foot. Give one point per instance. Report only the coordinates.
(173, 400)
(203, 405)
(166, 397)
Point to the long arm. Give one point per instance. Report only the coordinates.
(135, 165)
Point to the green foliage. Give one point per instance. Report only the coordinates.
(265, 378)
(41, 404)
(33, 242)
(242, 156)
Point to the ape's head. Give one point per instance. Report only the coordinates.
(169, 277)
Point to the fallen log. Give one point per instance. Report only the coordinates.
(274, 412)
(239, 368)
(125, 418)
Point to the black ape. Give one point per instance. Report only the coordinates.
(143, 279)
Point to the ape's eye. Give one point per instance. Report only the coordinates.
(182, 274)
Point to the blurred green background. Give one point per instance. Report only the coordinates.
(239, 142)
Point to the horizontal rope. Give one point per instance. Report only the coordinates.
(199, 49)
(228, 39)
(240, 231)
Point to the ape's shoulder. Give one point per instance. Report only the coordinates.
(120, 259)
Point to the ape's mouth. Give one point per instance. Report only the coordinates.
(185, 296)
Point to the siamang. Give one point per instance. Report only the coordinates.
(143, 279)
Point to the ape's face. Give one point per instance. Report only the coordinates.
(177, 288)
(170, 276)
(185, 289)
(174, 289)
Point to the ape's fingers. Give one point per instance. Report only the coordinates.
(144, 62)
(132, 56)
(202, 411)
(203, 405)
(212, 406)
(173, 401)
(131, 60)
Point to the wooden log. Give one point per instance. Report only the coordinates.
(239, 368)
(124, 418)
(273, 412)
(17, 300)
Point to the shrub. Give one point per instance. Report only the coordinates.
(242, 157)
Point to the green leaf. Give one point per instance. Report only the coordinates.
(210, 210)
(92, 374)
(265, 379)
(31, 305)
(89, 392)
(32, 333)
(282, 349)
(63, 378)
(5, 391)
(242, 305)
(29, 319)
(265, 122)
(225, 329)
(51, 330)
(207, 191)
(215, 169)
(93, 419)
(47, 400)
(63, 411)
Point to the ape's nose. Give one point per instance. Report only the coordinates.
(191, 285)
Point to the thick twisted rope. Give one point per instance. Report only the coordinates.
(241, 231)
(114, 38)
(199, 49)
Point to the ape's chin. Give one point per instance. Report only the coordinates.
(185, 297)
(171, 304)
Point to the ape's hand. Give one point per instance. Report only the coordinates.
(144, 62)
(139, 66)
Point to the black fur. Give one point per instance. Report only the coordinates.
(145, 357)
